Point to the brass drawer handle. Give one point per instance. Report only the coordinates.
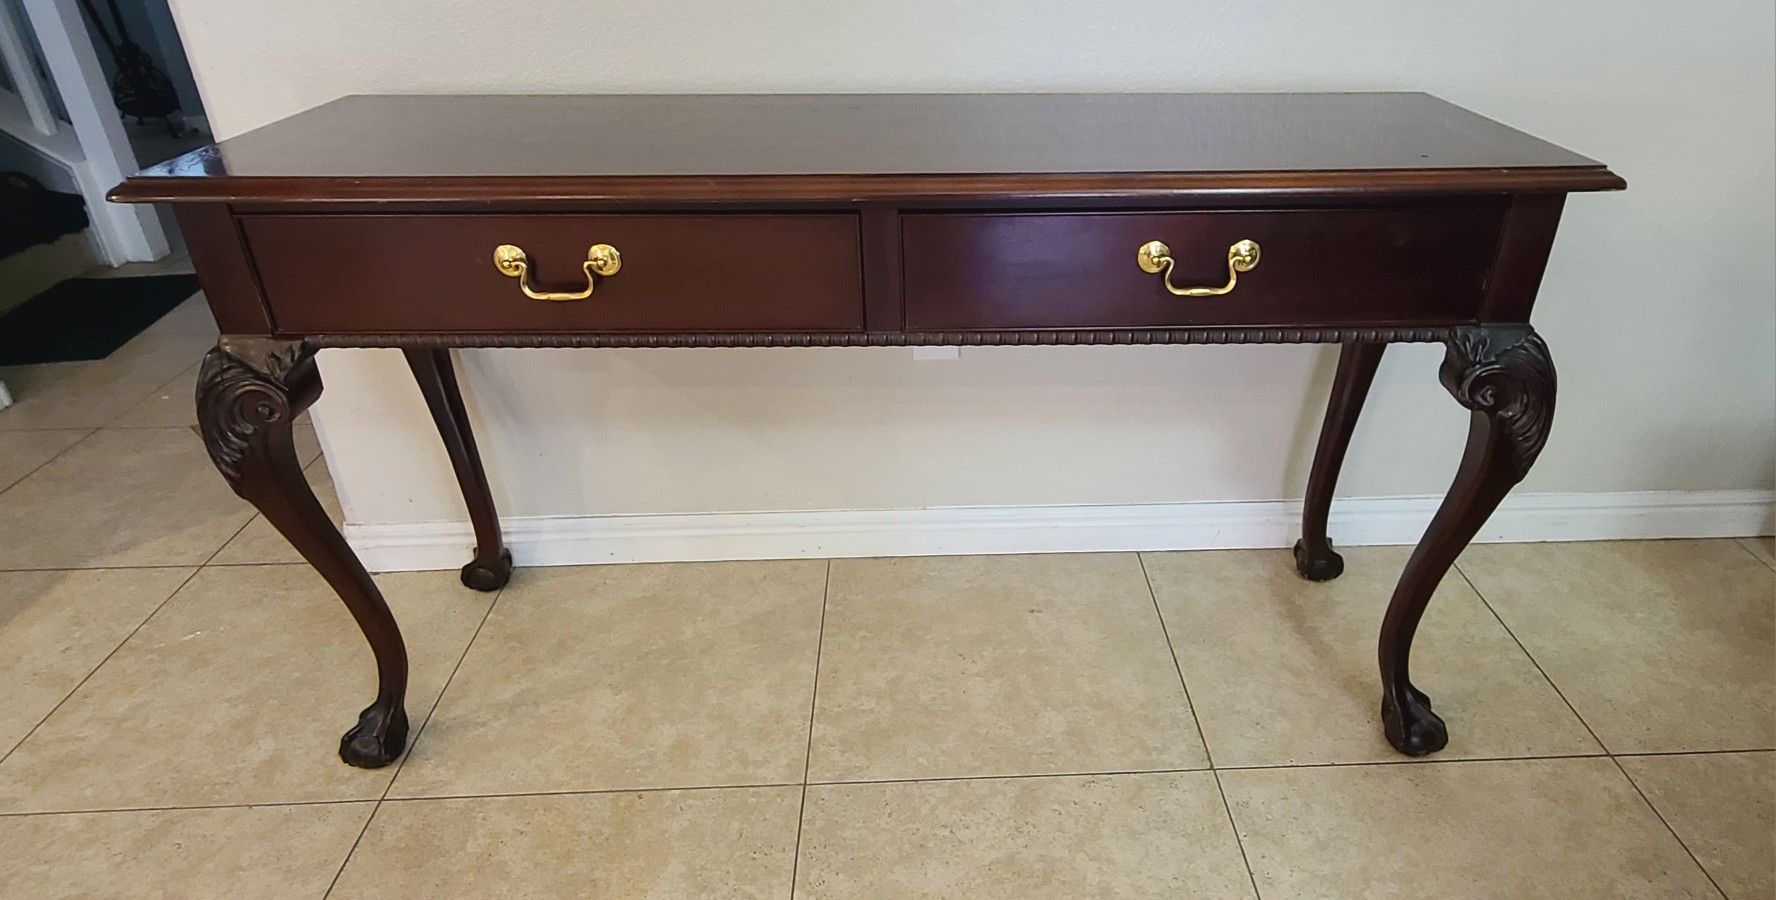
(601, 259)
(1156, 258)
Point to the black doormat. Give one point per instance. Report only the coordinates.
(87, 318)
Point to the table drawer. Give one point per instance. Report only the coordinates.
(1080, 270)
(678, 273)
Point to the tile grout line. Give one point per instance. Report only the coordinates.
(124, 412)
(572, 792)
(133, 403)
(1674, 835)
(426, 799)
(146, 397)
(795, 860)
(52, 458)
(7, 570)
(407, 754)
(27, 429)
(1639, 754)
(417, 733)
(112, 810)
(207, 563)
(1413, 761)
(1015, 776)
(101, 664)
(1768, 563)
(805, 783)
(1178, 667)
(58, 455)
(126, 638)
(203, 565)
(1575, 711)
(1456, 567)
(594, 792)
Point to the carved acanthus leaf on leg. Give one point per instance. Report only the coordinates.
(1507, 374)
(240, 402)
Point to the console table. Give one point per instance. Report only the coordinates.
(431, 222)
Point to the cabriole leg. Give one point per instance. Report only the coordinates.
(1505, 376)
(492, 566)
(1314, 557)
(249, 391)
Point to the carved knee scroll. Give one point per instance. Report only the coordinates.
(248, 393)
(1505, 373)
(1506, 377)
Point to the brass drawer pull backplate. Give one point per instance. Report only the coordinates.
(1155, 258)
(601, 260)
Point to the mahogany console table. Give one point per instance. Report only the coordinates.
(427, 223)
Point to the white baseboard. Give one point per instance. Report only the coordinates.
(1356, 521)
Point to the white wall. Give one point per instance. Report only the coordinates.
(1660, 303)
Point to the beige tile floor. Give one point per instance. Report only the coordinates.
(1093, 725)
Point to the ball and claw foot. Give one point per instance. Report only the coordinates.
(1318, 563)
(377, 740)
(484, 577)
(1415, 730)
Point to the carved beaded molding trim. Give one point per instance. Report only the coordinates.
(904, 338)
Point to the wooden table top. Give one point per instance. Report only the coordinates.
(863, 146)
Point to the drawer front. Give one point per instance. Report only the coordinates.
(679, 273)
(1079, 270)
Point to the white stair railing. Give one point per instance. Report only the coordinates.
(91, 144)
(24, 88)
